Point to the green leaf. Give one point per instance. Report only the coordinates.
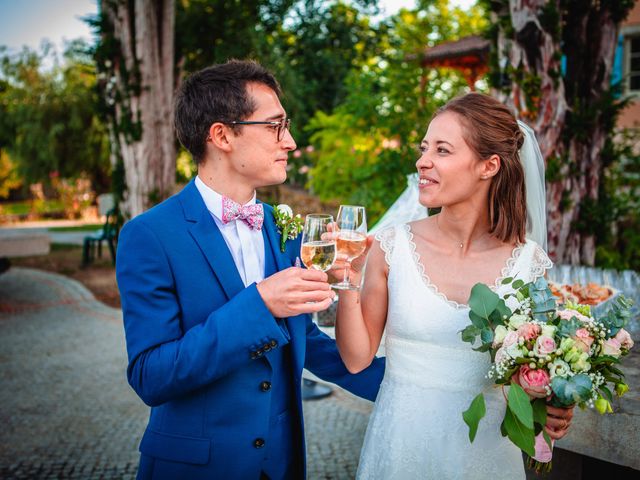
(573, 389)
(616, 371)
(477, 320)
(604, 359)
(503, 310)
(483, 300)
(606, 393)
(470, 333)
(474, 414)
(507, 280)
(520, 404)
(547, 439)
(520, 435)
(485, 347)
(517, 284)
(540, 411)
(486, 335)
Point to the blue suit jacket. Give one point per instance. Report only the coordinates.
(196, 342)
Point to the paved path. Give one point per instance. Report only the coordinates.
(66, 410)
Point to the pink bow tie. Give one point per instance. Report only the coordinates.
(252, 215)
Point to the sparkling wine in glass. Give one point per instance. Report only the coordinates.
(351, 239)
(318, 249)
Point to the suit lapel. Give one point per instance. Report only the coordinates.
(206, 234)
(295, 325)
(283, 261)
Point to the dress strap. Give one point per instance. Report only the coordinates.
(540, 262)
(387, 239)
(531, 263)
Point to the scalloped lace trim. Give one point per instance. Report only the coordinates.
(387, 238)
(540, 263)
(515, 254)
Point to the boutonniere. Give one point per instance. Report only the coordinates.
(289, 226)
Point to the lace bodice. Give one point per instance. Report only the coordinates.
(431, 377)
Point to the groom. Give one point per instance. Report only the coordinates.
(216, 315)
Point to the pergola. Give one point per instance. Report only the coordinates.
(470, 55)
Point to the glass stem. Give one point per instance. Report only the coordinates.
(345, 280)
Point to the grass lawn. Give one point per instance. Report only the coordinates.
(78, 228)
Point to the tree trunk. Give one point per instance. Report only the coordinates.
(144, 75)
(564, 108)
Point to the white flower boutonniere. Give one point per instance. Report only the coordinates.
(289, 226)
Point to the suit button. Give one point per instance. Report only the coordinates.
(266, 347)
(274, 343)
(265, 386)
(254, 355)
(258, 443)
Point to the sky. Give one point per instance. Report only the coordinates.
(29, 22)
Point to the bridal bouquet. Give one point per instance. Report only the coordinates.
(546, 353)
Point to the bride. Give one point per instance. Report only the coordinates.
(418, 278)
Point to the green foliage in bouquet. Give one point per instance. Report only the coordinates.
(547, 355)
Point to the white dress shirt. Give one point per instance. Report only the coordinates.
(246, 245)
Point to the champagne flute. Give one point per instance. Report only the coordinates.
(351, 239)
(318, 249)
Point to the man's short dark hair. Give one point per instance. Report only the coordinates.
(216, 94)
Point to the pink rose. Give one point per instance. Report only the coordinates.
(611, 347)
(583, 339)
(544, 346)
(568, 314)
(624, 338)
(528, 330)
(510, 339)
(533, 381)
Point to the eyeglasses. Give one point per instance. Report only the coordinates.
(281, 126)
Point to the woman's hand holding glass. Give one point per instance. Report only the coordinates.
(350, 233)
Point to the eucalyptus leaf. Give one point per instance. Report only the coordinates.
(470, 333)
(568, 328)
(477, 320)
(507, 280)
(485, 347)
(503, 310)
(483, 300)
(486, 335)
(517, 284)
(474, 414)
(573, 389)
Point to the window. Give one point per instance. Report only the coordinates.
(633, 63)
(629, 60)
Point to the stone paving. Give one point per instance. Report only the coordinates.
(65, 407)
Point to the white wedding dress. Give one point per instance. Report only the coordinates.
(416, 430)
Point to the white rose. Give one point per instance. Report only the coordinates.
(516, 320)
(514, 351)
(559, 368)
(549, 330)
(285, 209)
(499, 334)
(510, 338)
